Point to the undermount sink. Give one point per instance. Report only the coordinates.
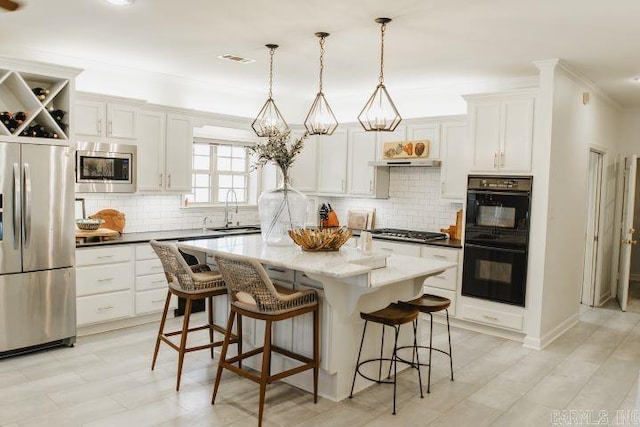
(236, 229)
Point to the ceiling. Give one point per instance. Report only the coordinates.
(430, 45)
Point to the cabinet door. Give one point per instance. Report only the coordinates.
(430, 131)
(89, 118)
(303, 171)
(332, 152)
(455, 160)
(517, 135)
(121, 121)
(362, 150)
(179, 153)
(485, 134)
(151, 176)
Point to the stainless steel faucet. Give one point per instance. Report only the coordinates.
(226, 207)
(204, 223)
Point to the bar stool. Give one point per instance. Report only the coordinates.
(193, 283)
(254, 295)
(429, 304)
(394, 315)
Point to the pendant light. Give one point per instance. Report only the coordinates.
(269, 120)
(380, 113)
(320, 119)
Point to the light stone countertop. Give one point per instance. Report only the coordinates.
(346, 263)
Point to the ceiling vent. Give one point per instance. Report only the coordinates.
(236, 58)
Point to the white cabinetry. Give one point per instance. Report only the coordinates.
(502, 131)
(303, 172)
(365, 180)
(454, 152)
(444, 284)
(105, 119)
(430, 131)
(164, 152)
(332, 154)
(104, 278)
(151, 283)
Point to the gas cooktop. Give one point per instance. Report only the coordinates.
(407, 235)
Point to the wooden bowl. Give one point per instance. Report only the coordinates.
(320, 239)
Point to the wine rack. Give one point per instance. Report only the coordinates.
(17, 95)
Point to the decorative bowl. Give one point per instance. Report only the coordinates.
(88, 224)
(320, 239)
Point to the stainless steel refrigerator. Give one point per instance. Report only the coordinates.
(37, 247)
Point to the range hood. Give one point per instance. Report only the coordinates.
(430, 163)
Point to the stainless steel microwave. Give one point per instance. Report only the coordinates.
(105, 168)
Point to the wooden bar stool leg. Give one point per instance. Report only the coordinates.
(239, 335)
(210, 314)
(316, 352)
(430, 350)
(355, 371)
(450, 352)
(183, 340)
(161, 329)
(223, 354)
(266, 368)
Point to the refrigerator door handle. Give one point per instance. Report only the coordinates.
(27, 205)
(17, 196)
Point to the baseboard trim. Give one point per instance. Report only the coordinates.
(98, 328)
(535, 343)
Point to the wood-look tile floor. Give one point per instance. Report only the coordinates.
(106, 381)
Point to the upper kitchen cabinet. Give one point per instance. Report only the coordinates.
(430, 131)
(332, 163)
(365, 180)
(303, 173)
(106, 117)
(455, 153)
(165, 146)
(35, 101)
(502, 131)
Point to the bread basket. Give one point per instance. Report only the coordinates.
(89, 224)
(320, 239)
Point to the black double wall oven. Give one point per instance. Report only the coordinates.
(497, 238)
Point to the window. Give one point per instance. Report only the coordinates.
(218, 169)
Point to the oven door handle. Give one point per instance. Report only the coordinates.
(500, 193)
(495, 248)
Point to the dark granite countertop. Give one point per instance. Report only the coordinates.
(145, 237)
(194, 234)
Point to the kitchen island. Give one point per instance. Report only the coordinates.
(347, 283)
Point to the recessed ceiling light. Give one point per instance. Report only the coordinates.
(236, 58)
(121, 2)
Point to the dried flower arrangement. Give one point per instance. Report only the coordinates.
(276, 149)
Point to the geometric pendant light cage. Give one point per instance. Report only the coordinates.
(320, 119)
(269, 120)
(380, 113)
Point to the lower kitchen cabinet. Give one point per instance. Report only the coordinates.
(151, 283)
(104, 282)
(490, 314)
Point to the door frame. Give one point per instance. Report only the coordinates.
(591, 290)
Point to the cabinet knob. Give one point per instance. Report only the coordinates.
(502, 158)
(160, 180)
(169, 180)
(495, 160)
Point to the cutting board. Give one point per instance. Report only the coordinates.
(113, 219)
(361, 219)
(100, 232)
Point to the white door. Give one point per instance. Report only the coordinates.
(179, 153)
(333, 163)
(89, 118)
(362, 150)
(485, 134)
(454, 153)
(626, 230)
(590, 282)
(121, 121)
(151, 176)
(517, 135)
(303, 171)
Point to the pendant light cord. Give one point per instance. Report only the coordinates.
(321, 61)
(271, 51)
(382, 30)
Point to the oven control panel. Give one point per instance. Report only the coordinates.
(521, 183)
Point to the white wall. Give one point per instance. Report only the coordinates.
(557, 248)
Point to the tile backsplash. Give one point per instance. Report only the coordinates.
(162, 212)
(414, 203)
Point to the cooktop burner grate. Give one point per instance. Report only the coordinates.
(408, 235)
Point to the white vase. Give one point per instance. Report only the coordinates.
(281, 209)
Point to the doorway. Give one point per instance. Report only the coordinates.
(633, 303)
(591, 278)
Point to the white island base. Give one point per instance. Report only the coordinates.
(347, 286)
